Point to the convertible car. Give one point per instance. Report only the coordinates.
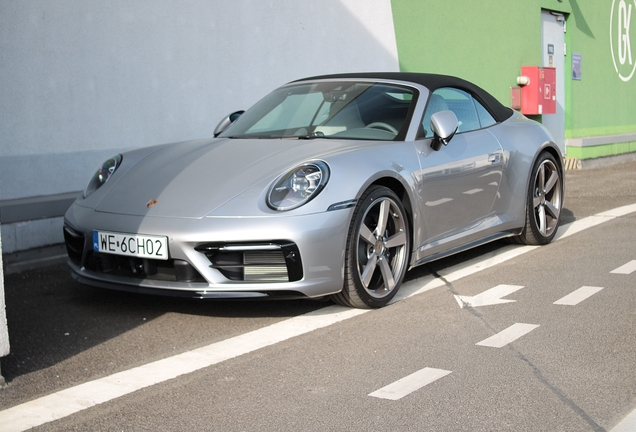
(329, 186)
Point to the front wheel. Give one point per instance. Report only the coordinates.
(544, 202)
(377, 253)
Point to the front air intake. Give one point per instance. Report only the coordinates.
(74, 244)
(276, 261)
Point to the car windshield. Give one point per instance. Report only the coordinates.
(343, 109)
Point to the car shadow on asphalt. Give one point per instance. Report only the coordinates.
(52, 317)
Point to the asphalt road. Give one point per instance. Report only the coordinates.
(568, 367)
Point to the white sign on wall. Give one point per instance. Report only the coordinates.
(620, 38)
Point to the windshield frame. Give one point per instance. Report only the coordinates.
(331, 91)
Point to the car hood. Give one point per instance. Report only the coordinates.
(192, 179)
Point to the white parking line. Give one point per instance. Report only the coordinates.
(619, 211)
(578, 296)
(409, 384)
(75, 399)
(72, 400)
(592, 221)
(626, 269)
(508, 335)
(628, 424)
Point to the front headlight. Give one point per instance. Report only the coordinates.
(298, 186)
(102, 175)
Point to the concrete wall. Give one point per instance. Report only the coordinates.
(81, 81)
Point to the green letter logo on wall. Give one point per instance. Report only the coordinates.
(620, 41)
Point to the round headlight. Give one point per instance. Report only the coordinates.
(102, 175)
(298, 186)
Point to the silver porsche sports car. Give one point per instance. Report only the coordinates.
(329, 186)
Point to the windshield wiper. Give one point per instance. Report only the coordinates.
(312, 136)
(250, 137)
(316, 135)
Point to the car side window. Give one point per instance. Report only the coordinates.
(485, 118)
(471, 115)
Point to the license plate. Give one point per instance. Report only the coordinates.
(132, 245)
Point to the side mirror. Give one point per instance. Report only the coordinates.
(227, 122)
(444, 125)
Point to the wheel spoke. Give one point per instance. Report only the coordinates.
(399, 239)
(368, 271)
(383, 217)
(536, 202)
(366, 234)
(552, 210)
(552, 181)
(387, 275)
(541, 178)
(542, 221)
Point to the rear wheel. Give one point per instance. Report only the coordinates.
(377, 254)
(544, 202)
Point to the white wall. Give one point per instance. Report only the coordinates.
(82, 80)
(4, 332)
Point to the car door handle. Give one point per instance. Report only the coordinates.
(494, 158)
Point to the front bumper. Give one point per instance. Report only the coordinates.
(216, 257)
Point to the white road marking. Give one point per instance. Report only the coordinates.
(592, 221)
(581, 225)
(628, 424)
(459, 271)
(409, 384)
(508, 335)
(619, 211)
(626, 269)
(489, 297)
(74, 399)
(578, 296)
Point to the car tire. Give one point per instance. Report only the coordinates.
(543, 202)
(377, 251)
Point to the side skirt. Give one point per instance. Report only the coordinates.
(465, 247)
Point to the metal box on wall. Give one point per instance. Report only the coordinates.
(538, 96)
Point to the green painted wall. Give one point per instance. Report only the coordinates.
(601, 103)
(476, 40)
(488, 41)
(600, 151)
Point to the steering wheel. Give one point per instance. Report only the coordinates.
(382, 126)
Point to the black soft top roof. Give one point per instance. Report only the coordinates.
(432, 82)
